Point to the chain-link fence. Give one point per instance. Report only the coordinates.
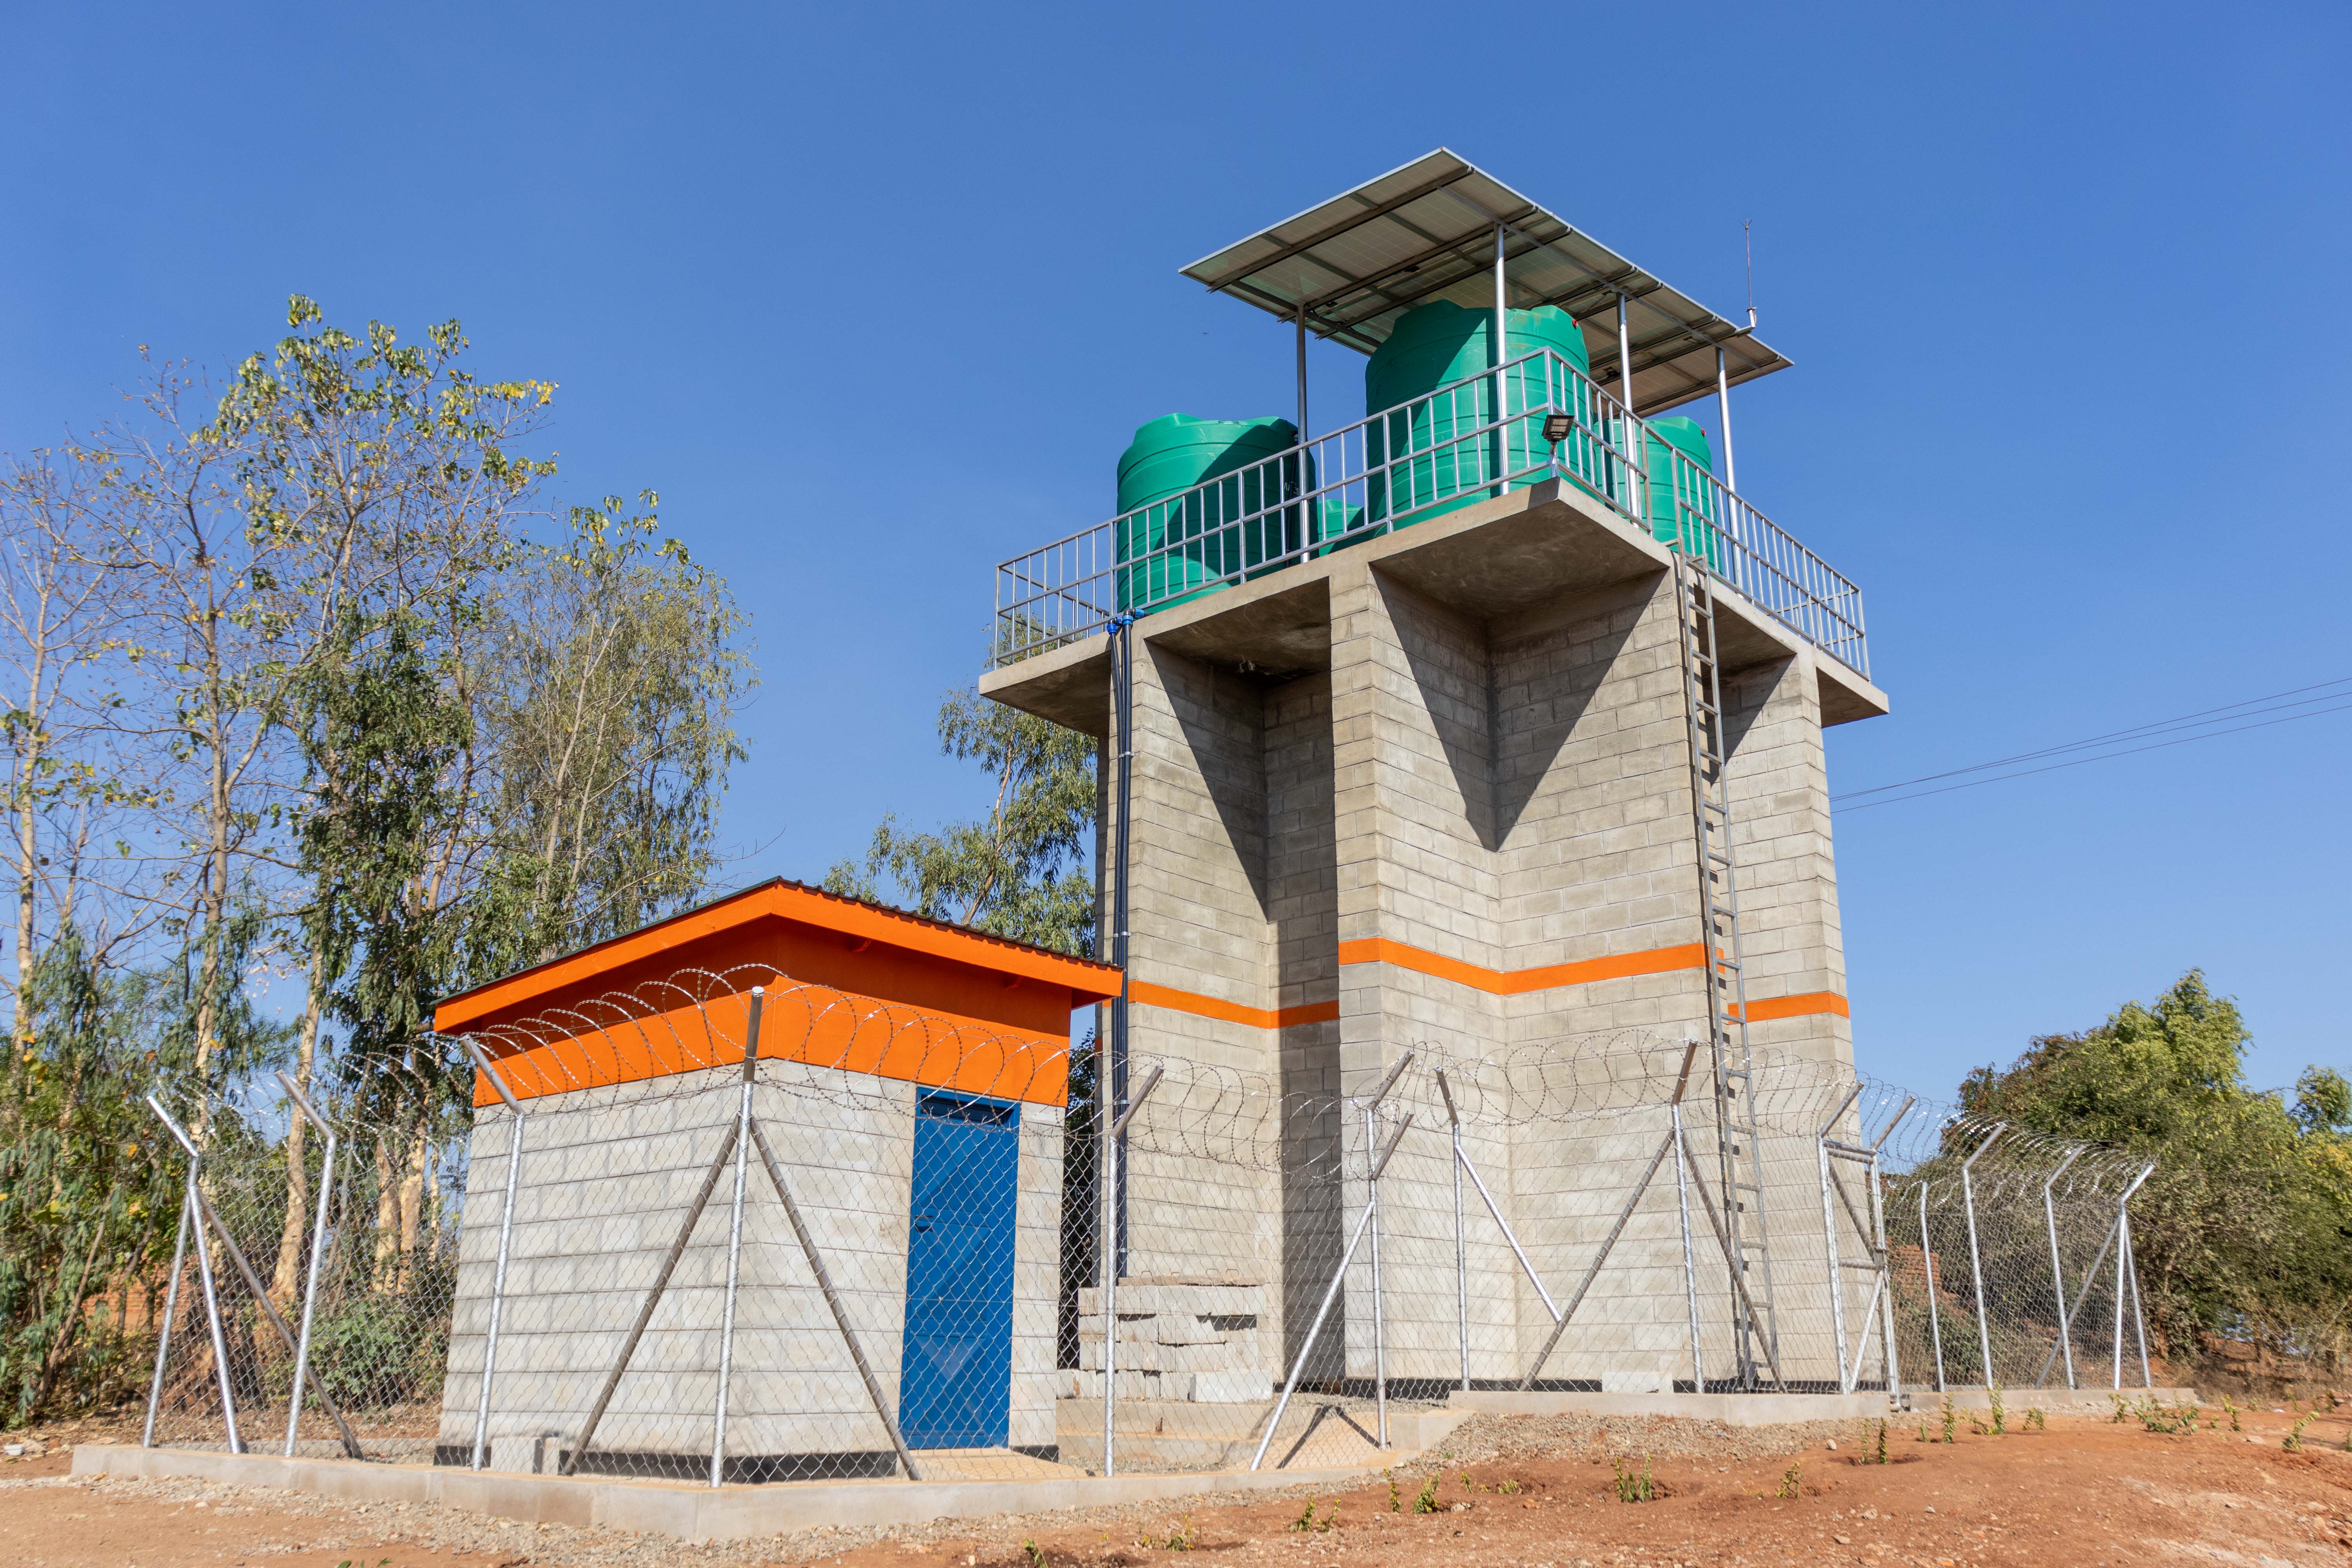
(879, 1242)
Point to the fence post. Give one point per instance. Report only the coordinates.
(1927, 1260)
(2057, 1271)
(195, 1209)
(1976, 1261)
(1330, 1294)
(1829, 1237)
(735, 1235)
(2124, 1271)
(1461, 1245)
(1690, 1262)
(1380, 1347)
(1890, 1360)
(318, 1253)
(171, 1311)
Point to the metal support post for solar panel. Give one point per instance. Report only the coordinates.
(1561, 1316)
(1330, 1294)
(1976, 1259)
(1461, 1245)
(1927, 1261)
(1636, 460)
(1690, 1260)
(1829, 1236)
(2123, 1261)
(1301, 319)
(1116, 1129)
(171, 1311)
(195, 1209)
(304, 1108)
(2057, 1271)
(1888, 1357)
(735, 1234)
(1723, 416)
(1502, 356)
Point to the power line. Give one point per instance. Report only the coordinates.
(2252, 707)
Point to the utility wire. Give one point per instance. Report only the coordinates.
(2332, 692)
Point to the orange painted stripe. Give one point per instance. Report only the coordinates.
(1201, 1006)
(1494, 982)
(1519, 981)
(1810, 1005)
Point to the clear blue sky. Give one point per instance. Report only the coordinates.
(875, 295)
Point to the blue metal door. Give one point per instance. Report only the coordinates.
(955, 1372)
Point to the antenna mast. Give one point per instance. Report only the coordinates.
(1748, 242)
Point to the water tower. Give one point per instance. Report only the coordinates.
(1492, 713)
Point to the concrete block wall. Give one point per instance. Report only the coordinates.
(1456, 801)
(606, 1178)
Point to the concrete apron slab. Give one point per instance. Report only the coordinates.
(692, 1512)
(1730, 1409)
(2017, 1400)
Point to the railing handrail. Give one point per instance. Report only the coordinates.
(1766, 563)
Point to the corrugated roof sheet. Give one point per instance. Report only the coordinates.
(1426, 232)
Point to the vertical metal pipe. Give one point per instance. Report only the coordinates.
(311, 1290)
(171, 1311)
(1301, 319)
(735, 1235)
(1690, 1262)
(2122, 1272)
(2057, 1271)
(515, 1120)
(220, 1340)
(1379, 1343)
(1837, 1285)
(1461, 1242)
(1976, 1259)
(1112, 1065)
(1888, 1361)
(1502, 354)
(1636, 460)
(1927, 1258)
(2139, 1312)
(1723, 416)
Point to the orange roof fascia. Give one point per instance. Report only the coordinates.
(1085, 981)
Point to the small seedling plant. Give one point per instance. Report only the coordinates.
(1396, 1497)
(2035, 1421)
(1999, 1412)
(1306, 1523)
(1426, 1503)
(1633, 1486)
(1878, 1455)
(1793, 1481)
(1951, 1421)
(2230, 1408)
(2293, 1442)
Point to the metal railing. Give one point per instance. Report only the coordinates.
(1472, 438)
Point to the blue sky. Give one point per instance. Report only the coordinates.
(875, 295)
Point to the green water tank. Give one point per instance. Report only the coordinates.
(1178, 535)
(1441, 343)
(1683, 508)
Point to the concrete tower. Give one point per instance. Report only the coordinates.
(1427, 775)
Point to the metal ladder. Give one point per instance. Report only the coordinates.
(1754, 1322)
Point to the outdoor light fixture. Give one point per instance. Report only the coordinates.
(1556, 427)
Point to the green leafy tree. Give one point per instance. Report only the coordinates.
(2245, 1231)
(1019, 871)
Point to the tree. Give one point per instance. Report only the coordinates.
(1021, 870)
(2245, 1231)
